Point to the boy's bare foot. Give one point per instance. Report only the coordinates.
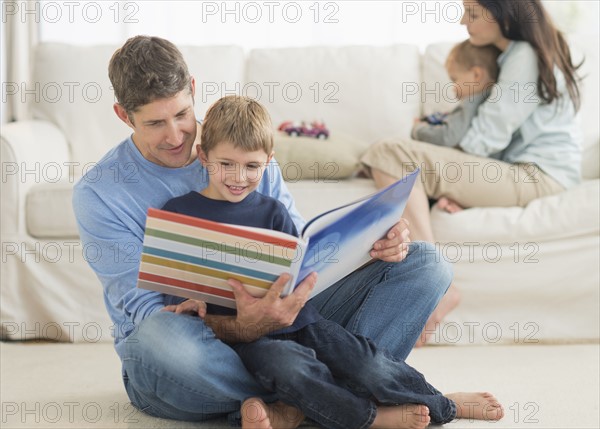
(258, 415)
(476, 406)
(448, 205)
(448, 302)
(410, 416)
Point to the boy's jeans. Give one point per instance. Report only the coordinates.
(334, 377)
(174, 366)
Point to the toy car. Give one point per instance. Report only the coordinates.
(315, 129)
(436, 118)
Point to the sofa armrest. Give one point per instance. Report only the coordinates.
(31, 152)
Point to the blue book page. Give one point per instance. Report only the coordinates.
(339, 241)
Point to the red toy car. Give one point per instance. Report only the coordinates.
(315, 129)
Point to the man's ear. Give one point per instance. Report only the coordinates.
(122, 114)
(193, 85)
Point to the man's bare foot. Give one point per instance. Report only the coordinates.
(448, 205)
(476, 406)
(258, 415)
(448, 302)
(410, 416)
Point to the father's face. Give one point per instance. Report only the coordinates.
(165, 130)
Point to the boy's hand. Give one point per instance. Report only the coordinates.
(191, 306)
(259, 316)
(394, 247)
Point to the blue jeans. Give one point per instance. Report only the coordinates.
(174, 367)
(336, 378)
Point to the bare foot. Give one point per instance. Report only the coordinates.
(476, 406)
(448, 205)
(410, 416)
(258, 415)
(448, 302)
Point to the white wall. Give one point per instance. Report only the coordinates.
(257, 23)
(252, 24)
(276, 23)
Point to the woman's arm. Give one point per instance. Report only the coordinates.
(511, 102)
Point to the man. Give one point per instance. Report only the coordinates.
(175, 365)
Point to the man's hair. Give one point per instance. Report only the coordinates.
(467, 55)
(145, 69)
(238, 120)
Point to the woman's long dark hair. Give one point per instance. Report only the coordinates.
(528, 20)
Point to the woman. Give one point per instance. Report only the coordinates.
(524, 142)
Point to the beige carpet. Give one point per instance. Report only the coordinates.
(78, 386)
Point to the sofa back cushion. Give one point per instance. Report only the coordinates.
(72, 90)
(364, 91)
(438, 96)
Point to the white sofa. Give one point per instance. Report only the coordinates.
(526, 274)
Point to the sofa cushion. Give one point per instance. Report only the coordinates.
(49, 211)
(307, 158)
(79, 98)
(367, 92)
(331, 194)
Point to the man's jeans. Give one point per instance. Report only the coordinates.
(174, 366)
(335, 377)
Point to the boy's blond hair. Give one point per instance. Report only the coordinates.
(238, 120)
(467, 55)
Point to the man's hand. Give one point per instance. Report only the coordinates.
(191, 306)
(394, 247)
(259, 316)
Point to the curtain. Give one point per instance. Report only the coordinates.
(20, 33)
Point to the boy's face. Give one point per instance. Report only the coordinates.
(467, 82)
(233, 172)
(165, 129)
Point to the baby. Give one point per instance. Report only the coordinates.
(473, 70)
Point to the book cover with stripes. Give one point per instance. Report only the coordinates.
(193, 258)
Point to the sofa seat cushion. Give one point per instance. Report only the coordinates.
(316, 197)
(49, 211)
(572, 213)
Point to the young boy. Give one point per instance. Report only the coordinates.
(337, 379)
(474, 70)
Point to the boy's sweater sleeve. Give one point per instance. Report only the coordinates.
(453, 129)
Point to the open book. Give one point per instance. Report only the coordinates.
(193, 258)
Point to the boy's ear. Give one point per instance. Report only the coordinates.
(201, 155)
(122, 114)
(478, 73)
(270, 157)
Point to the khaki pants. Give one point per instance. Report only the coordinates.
(469, 180)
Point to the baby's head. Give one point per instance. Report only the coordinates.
(472, 68)
(236, 147)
